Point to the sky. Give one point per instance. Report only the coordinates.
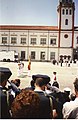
(31, 12)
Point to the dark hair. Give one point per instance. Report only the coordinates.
(40, 82)
(76, 84)
(26, 105)
(32, 83)
(16, 82)
(54, 73)
(55, 83)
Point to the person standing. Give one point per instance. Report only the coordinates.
(68, 107)
(54, 78)
(5, 73)
(29, 66)
(47, 103)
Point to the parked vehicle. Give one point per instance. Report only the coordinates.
(8, 56)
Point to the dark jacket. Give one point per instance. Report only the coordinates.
(4, 109)
(45, 108)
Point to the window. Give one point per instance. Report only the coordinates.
(52, 55)
(66, 22)
(70, 12)
(4, 40)
(33, 55)
(66, 11)
(77, 39)
(13, 40)
(23, 40)
(53, 41)
(66, 36)
(43, 41)
(63, 11)
(33, 41)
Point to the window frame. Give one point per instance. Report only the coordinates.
(77, 39)
(63, 11)
(33, 41)
(23, 40)
(66, 21)
(33, 55)
(13, 40)
(4, 41)
(42, 41)
(66, 11)
(52, 55)
(53, 41)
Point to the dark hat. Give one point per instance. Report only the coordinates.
(46, 78)
(5, 73)
(54, 72)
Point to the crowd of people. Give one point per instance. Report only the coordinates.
(42, 100)
(65, 62)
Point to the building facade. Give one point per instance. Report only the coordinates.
(44, 43)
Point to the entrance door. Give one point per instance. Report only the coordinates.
(23, 55)
(75, 54)
(42, 56)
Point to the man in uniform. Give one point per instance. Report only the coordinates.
(5, 73)
(47, 103)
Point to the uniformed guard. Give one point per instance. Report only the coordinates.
(5, 73)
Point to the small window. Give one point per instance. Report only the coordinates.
(43, 41)
(66, 36)
(70, 12)
(13, 40)
(53, 41)
(66, 22)
(4, 40)
(77, 39)
(23, 40)
(66, 11)
(63, 11)
(33, 41)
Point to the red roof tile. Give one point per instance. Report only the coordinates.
(19, 27)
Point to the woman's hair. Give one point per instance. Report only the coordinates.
(26, 105)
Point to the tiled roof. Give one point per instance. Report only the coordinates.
(20, 27)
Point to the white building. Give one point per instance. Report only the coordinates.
(44, 42)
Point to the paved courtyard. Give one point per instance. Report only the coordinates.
(65, 75)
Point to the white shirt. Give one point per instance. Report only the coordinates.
(68, 107)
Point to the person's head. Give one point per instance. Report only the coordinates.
(55, 83)
(17, 82)
(76, 86)
(40, 83)
(5, 74)
(26, 105)
(67, 91)
(54, 73)
(72, 97)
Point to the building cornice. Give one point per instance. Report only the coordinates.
(20, 27)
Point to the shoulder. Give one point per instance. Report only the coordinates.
(74, 114)
(68, 104)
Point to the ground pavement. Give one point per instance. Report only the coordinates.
(65, 75)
